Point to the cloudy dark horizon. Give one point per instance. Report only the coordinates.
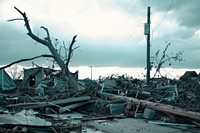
(110, 32)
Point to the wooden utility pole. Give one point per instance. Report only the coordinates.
(91, 71)
(147, 33)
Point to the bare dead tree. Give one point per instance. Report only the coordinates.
(158, 63)
(48, 43)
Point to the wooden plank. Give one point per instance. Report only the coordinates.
(158, 106)
(171, 124)
(72, 106)
(52, 103)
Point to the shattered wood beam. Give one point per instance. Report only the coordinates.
(27, 59)
(157, 106)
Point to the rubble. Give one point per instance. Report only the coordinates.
(25, 117)
(48, 103)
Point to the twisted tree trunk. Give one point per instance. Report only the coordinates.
(48, 43)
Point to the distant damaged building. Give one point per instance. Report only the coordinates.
(189, 75)
(33, 76)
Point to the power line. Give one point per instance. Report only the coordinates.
(122, 46)
(161, 21)
(164, 16)
(125, 42)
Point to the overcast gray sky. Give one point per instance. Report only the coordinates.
(110, 32)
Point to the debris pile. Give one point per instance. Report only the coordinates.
(189, 93)
(47, 104)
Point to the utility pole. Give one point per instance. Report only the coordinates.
(147, 33)
(91, 72)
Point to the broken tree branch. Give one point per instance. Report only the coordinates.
(33, 36)
(27, 59)
(47, 31)
(70, 51)
(15, 19)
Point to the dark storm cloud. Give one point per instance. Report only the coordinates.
(15, 44)
(186, 12)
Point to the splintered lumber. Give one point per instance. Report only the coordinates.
(52, 103)
(157, 106)
(72, 106)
